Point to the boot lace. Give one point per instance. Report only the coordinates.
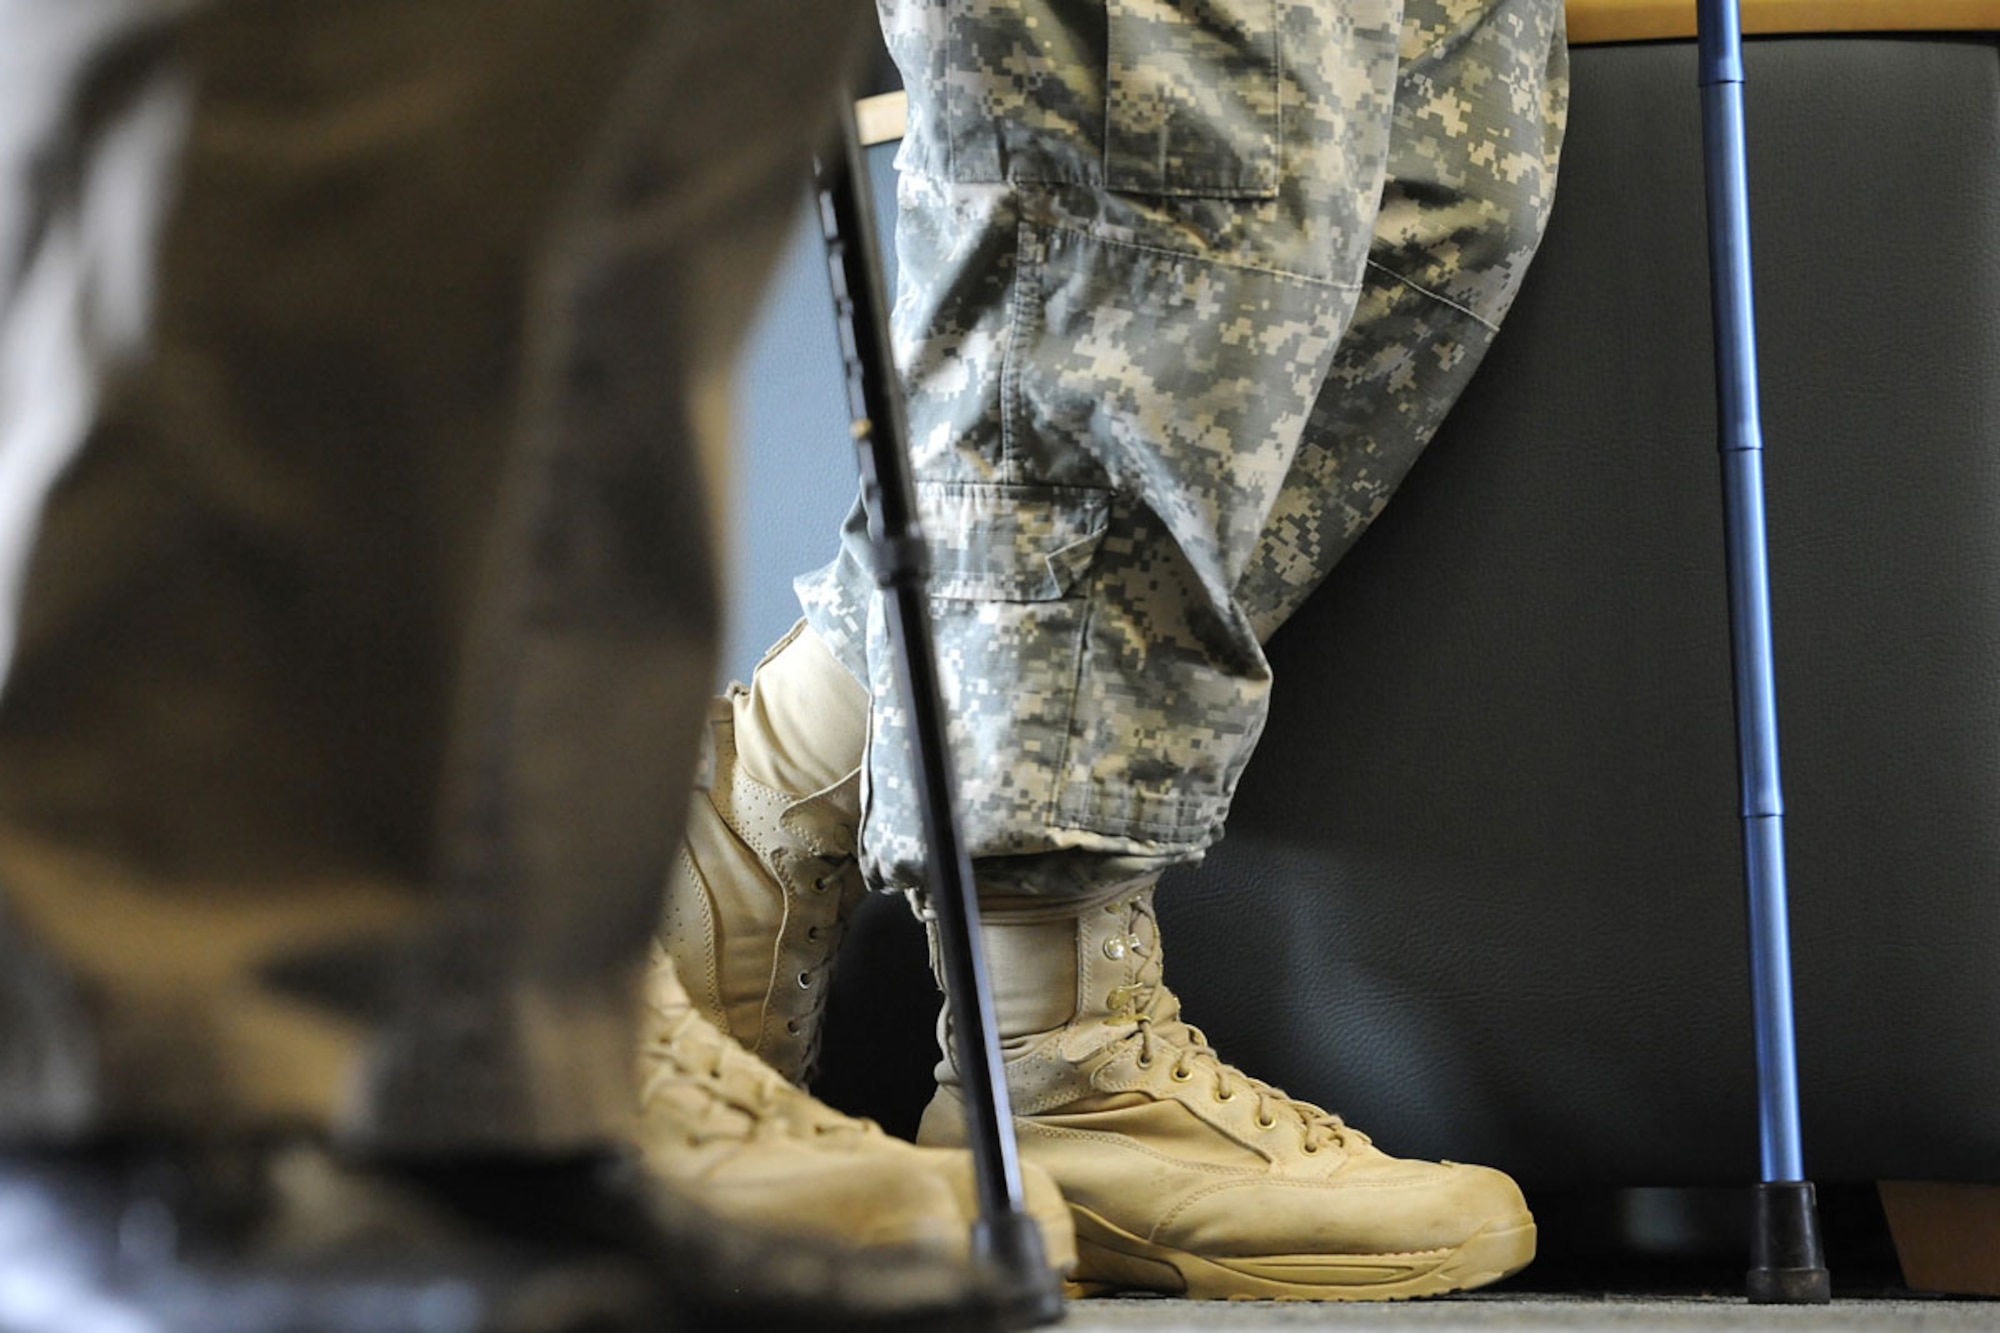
(709, 1088)
(804, 1014)
(1152, 1014)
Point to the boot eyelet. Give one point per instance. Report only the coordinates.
(1180, 1075)
(792, 1026)
(1263, 1123)
(1145, 1062)
(812, 933)
(805, 980)
(1222, 1096)
(1309, 1149)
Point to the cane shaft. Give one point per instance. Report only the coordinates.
(1786, 1261)
(1004, 1234)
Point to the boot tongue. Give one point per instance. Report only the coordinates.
(1056, 962)
(802, 724)
(1032, 968)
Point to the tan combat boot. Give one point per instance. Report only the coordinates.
(731, 1134)
(1187, 1176)
(755, 909)
(758, 899)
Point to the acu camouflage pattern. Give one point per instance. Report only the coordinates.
(1185, 288)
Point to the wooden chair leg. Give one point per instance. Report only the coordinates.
(1947, 1235)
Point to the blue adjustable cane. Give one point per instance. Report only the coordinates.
(1786, 1261)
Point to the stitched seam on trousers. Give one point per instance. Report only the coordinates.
(1168, 822)
(1192, 256)
(1059, 778)
(1439, 297)
(1278, 89)
(1027, 246)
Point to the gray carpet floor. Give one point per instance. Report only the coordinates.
(1566, 1314)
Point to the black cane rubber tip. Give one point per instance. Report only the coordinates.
(1787, 1266)
(1012, 1246)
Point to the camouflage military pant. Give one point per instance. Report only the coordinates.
(1184, 291)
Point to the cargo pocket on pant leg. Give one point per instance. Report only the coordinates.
(1009, 603)
(1150, 97)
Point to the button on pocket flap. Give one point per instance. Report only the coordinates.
(993, 542)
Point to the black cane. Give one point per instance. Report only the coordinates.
(1786, 1263)
(1005, 1235)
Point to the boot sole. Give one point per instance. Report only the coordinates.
(1112, 1260)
